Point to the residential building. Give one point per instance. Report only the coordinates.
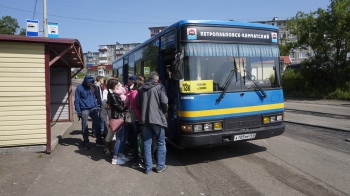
(90, 59)
(155, 30)
(106, 54)
(121, 49)
(100, 63)
(101, 70)
(297, 55)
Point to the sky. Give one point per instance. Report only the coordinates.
(105, 22)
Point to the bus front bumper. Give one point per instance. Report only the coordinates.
(207, 139)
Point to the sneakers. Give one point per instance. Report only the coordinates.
(124, 158)
(117, 161)
(163, 169)
(146, 172)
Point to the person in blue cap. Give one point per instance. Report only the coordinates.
(131, 82)
(86, 105)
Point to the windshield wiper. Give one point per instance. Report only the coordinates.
(228, 82)
(249, 75)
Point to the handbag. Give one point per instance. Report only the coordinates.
(115, 124)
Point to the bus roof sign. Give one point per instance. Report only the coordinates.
(199, 33)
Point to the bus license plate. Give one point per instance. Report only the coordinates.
(244, 137)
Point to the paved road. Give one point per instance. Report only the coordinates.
(323, 113)
(304, 161)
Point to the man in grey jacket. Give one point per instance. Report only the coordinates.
(153, 104)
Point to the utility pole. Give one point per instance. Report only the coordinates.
(45, 19)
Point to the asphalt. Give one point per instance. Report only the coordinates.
(331, 114)
(72, 170)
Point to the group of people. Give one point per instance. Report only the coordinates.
(143, 100)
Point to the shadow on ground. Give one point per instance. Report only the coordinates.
(75, 139)
(175, 157)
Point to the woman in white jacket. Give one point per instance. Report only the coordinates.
(106, 113)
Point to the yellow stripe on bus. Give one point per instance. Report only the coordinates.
(230, 110)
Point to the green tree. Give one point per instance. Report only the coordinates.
(8, 25)
(285, 48)
(326, 32)
(23, 32)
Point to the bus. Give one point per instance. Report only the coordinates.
(222, 79)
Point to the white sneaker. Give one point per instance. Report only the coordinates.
(124, 158)
(117, 161)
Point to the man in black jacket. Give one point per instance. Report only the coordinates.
(98, 90)
(153, 104)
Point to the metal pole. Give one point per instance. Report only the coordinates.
(45, 19)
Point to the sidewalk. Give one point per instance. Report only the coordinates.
(331, 114)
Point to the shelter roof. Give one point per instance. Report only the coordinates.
(63, 52)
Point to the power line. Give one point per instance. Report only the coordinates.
(85, 19)
(34, 9)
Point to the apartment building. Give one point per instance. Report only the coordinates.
(90, 58)
(99, 63)
(155, 30)
(296, 55)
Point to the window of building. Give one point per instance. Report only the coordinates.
(292, 55)
(291, 35)
(303, 55)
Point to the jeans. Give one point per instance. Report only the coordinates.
(119, 142)
(94, 115)
(100, 122)
(147, 133)
(135, 152)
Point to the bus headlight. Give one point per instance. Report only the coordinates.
(204, 126)
(266, 119)
(197, 128)
(186, 128)
(208, 127)
(279, 117)
(273, 118)
(217, 125)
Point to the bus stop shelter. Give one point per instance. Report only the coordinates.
(35, 88)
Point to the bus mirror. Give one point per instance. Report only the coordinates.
(177, 66)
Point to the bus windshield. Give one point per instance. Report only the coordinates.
(214, 61)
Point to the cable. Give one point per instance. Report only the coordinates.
(34, 9)
(84, 19)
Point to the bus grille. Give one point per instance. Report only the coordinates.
(246, 122)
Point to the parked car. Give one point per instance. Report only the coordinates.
(293, 66)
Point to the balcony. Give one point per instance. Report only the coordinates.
(103, 49)
(102, 61)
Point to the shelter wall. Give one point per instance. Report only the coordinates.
(60, 94)
(22, 94)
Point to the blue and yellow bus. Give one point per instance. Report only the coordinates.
(224, 84)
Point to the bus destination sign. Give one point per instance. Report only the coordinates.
(197, 33)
